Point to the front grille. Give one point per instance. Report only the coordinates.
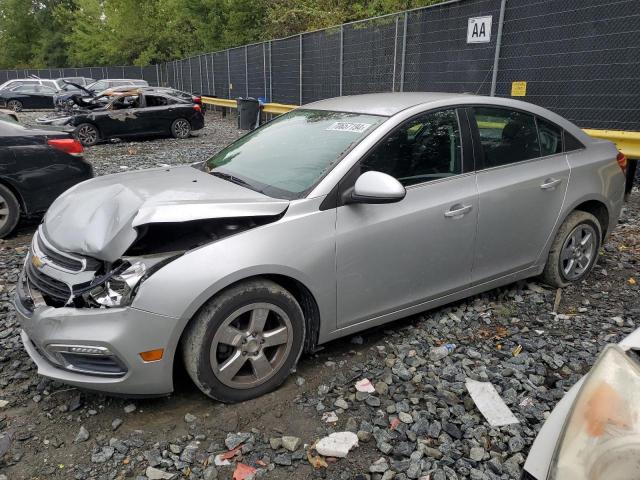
(96, 364)
(48, 286)
(68, 263)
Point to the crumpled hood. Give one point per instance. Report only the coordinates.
(98, 217)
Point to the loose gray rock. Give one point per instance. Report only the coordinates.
(115, 424)
(82, 436)
(291, 443)
(102, 455)
(153, 473)
(235, 439)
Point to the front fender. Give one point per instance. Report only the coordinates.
(301, 245)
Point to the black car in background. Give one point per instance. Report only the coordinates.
(27, 96)
(136, 112)
(35, 167)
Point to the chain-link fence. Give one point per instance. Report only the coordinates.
(580, 59)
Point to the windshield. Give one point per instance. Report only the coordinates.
(286, 157)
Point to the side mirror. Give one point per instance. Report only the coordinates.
(375, 187)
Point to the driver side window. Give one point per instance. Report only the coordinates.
(425, 148)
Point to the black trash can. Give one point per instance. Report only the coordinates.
(248, 113)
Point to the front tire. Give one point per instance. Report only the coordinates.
(181, 128)
(244, 342)
(15, 105)
(574, 251)
(87, 134)
(9, 211)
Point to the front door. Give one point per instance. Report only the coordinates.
(522, 180)
(393, 256)
(120, 117)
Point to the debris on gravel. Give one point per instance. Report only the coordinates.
(531, 343)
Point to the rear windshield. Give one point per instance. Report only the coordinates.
(286, 157)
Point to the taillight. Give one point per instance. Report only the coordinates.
(66, 145)
(196, 99)
(197, 107)
(622, 161)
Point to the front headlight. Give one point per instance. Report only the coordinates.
(601, 437)
(119, 288)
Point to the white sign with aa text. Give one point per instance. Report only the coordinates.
(479, 29)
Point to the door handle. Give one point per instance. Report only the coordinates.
(550, 183)
(458, 210)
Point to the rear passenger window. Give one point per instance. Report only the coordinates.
(153, 101)
(550, 137)
(507, 136)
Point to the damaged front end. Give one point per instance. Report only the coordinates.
(56, 278)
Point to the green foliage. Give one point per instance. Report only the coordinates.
(41, 33)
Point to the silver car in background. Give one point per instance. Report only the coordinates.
(339, 216)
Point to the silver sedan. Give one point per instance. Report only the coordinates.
(339, 216)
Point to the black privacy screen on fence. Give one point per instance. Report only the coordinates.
(577, 58)
(581, 59)
(438, 57)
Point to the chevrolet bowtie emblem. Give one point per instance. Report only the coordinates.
(36, 262)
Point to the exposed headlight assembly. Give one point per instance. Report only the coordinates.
(118, 287)
(601, 437)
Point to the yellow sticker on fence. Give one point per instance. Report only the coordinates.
(518, 89)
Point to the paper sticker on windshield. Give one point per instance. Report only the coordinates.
(349, 127)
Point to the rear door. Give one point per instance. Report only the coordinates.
(43, 96)
(156, 116)
(522, 180)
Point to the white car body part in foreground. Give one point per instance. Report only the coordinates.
(540, 458)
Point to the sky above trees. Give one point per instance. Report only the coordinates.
(60, 33)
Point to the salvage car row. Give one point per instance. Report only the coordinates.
(107, 109)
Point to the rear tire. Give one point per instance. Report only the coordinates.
(15, 105)
(9, 211)
(87, 134)
(574, 251)
(244, 342)
(181, 128)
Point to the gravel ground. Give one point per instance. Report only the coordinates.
(420, 422)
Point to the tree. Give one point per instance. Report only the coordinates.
(57, 33)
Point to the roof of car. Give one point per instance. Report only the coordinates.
(381, 103)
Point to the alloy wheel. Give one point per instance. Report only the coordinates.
(578, 251)
(4, 211)
(87, 135)
(182, 128)
(15, 105)
(251, 345)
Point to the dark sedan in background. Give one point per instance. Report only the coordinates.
(36, 166)
(137, 112)
(27, 96)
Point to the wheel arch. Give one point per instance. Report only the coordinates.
(594, 205)
(298, 289)
(300, 292)
(21, 201)
(599, 210)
